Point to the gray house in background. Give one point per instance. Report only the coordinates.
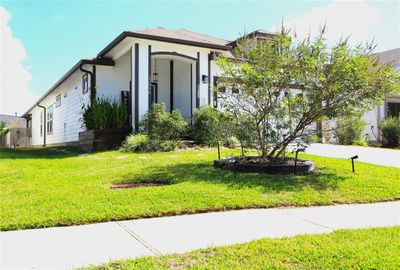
(391, 105)
(19, 135)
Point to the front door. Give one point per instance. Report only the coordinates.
(154, 93)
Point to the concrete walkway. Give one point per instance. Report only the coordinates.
(75, 246)
(374, 155)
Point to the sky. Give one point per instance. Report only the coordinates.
(41, 40)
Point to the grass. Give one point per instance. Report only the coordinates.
(343, 249)
(44, 187)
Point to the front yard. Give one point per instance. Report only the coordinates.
(48, 187)
(344, 249)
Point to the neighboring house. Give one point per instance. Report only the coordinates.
(175, 67)
(19, 134)
(13, 120)
(391, 105)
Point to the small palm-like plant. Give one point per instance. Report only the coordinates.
(3, 129)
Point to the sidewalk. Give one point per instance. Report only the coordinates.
(373, 155)
(76, 246)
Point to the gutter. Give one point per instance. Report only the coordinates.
(92, 82)
(44, 123)
(96, 61)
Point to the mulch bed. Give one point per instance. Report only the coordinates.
(257, 164)
(136, 185)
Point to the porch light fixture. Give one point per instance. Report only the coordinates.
(155, 74)
(204, 78)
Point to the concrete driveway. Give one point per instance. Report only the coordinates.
(75, 246)
(373, 155)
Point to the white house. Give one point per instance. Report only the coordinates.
(390, 107)
(175, 67)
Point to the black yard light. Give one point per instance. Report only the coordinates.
(352, 162)
(295, 159)
(219, 153)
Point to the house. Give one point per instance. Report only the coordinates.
(389, 108)
(18, 135)
(138, 68)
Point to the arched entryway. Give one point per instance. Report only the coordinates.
(173, 82)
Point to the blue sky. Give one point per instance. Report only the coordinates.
(55, 35)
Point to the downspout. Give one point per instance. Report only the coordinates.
(44, 123)
(92, 83)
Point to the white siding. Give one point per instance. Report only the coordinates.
(182, 88)
(163, 70)
(67, 121)
(110, 81)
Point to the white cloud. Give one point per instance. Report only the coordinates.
(343, 18)
(15, 95)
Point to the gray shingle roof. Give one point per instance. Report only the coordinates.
(182, 34)
(391, 56)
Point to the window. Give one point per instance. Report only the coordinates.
(49, 120)
(85, 83)
(235, 90)
(58, 100)
(222, 89)
(41, 123)
(393, 109)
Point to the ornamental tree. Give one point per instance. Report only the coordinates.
(286, 85)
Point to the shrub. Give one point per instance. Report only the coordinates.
(232, 142)
(349, 131)
(104, 113)
(391, 132)
(211, 126)
(162, 126)
(135, 143)
(167, 146)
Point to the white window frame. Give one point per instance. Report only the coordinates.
(85, 83)
(41, 124)
(58, 101)
(49, 120)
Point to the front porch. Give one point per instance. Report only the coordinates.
(173, 82)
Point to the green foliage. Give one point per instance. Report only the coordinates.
(162, 126)
(391, 132)
(104, 113)
(160, 131)
(170, 145)
(244, 129)
(3, 128)
(349, 131)
(232, 142)
(329, 82)
(210, 126)
(135, 143)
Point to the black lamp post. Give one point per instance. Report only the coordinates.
(352, 162)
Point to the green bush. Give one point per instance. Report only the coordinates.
(135, 143)
(349, 131)
(104, 113)
(211, 126)
(167, 146)
(162, 126)
(232, 142)
(391, 132)
(160, 131)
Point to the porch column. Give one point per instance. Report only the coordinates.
(198, 81)
(140, 75)
(135, 86)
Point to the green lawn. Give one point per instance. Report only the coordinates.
(344, 249)
(44, 188)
